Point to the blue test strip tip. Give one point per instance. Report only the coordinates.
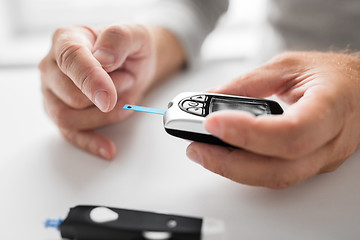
(144, 109)
(53, 223)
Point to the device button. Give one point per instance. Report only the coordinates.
(103, 214)
(171, 223)
(170, 104)
(200, 98)
(191, 104)
(195, 110)
(156, 235)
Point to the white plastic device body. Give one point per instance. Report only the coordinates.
(186, 113)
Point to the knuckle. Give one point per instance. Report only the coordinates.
(84, 77)
(60, 117)
(67, 54)
(68, 134)
(77, 138)
(287, 59)
(117, 32)
(286, 56)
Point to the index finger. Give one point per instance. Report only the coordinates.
(72, 53)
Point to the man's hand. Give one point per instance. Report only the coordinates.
(89, 74)
(316, 134)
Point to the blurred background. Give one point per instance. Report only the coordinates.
(26, 26)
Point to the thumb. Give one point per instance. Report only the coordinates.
(71, 50)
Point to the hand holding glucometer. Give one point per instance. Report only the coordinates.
(187, 111)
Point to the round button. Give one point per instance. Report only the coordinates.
(171, 223)
(193, 104)
(156, 235)
(103, 214)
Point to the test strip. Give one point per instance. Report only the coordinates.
(144, 109)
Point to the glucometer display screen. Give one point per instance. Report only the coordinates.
(256, 108)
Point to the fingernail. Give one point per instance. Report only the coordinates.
(103, 153)
(106, 58)
(102, 100)
(193, 155)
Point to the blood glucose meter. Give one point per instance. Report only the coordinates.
(187, 111)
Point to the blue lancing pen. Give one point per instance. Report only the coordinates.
(86, 222)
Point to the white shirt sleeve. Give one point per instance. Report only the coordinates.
(320, 25)
(189, 20)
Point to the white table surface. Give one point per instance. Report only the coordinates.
(41, 175)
